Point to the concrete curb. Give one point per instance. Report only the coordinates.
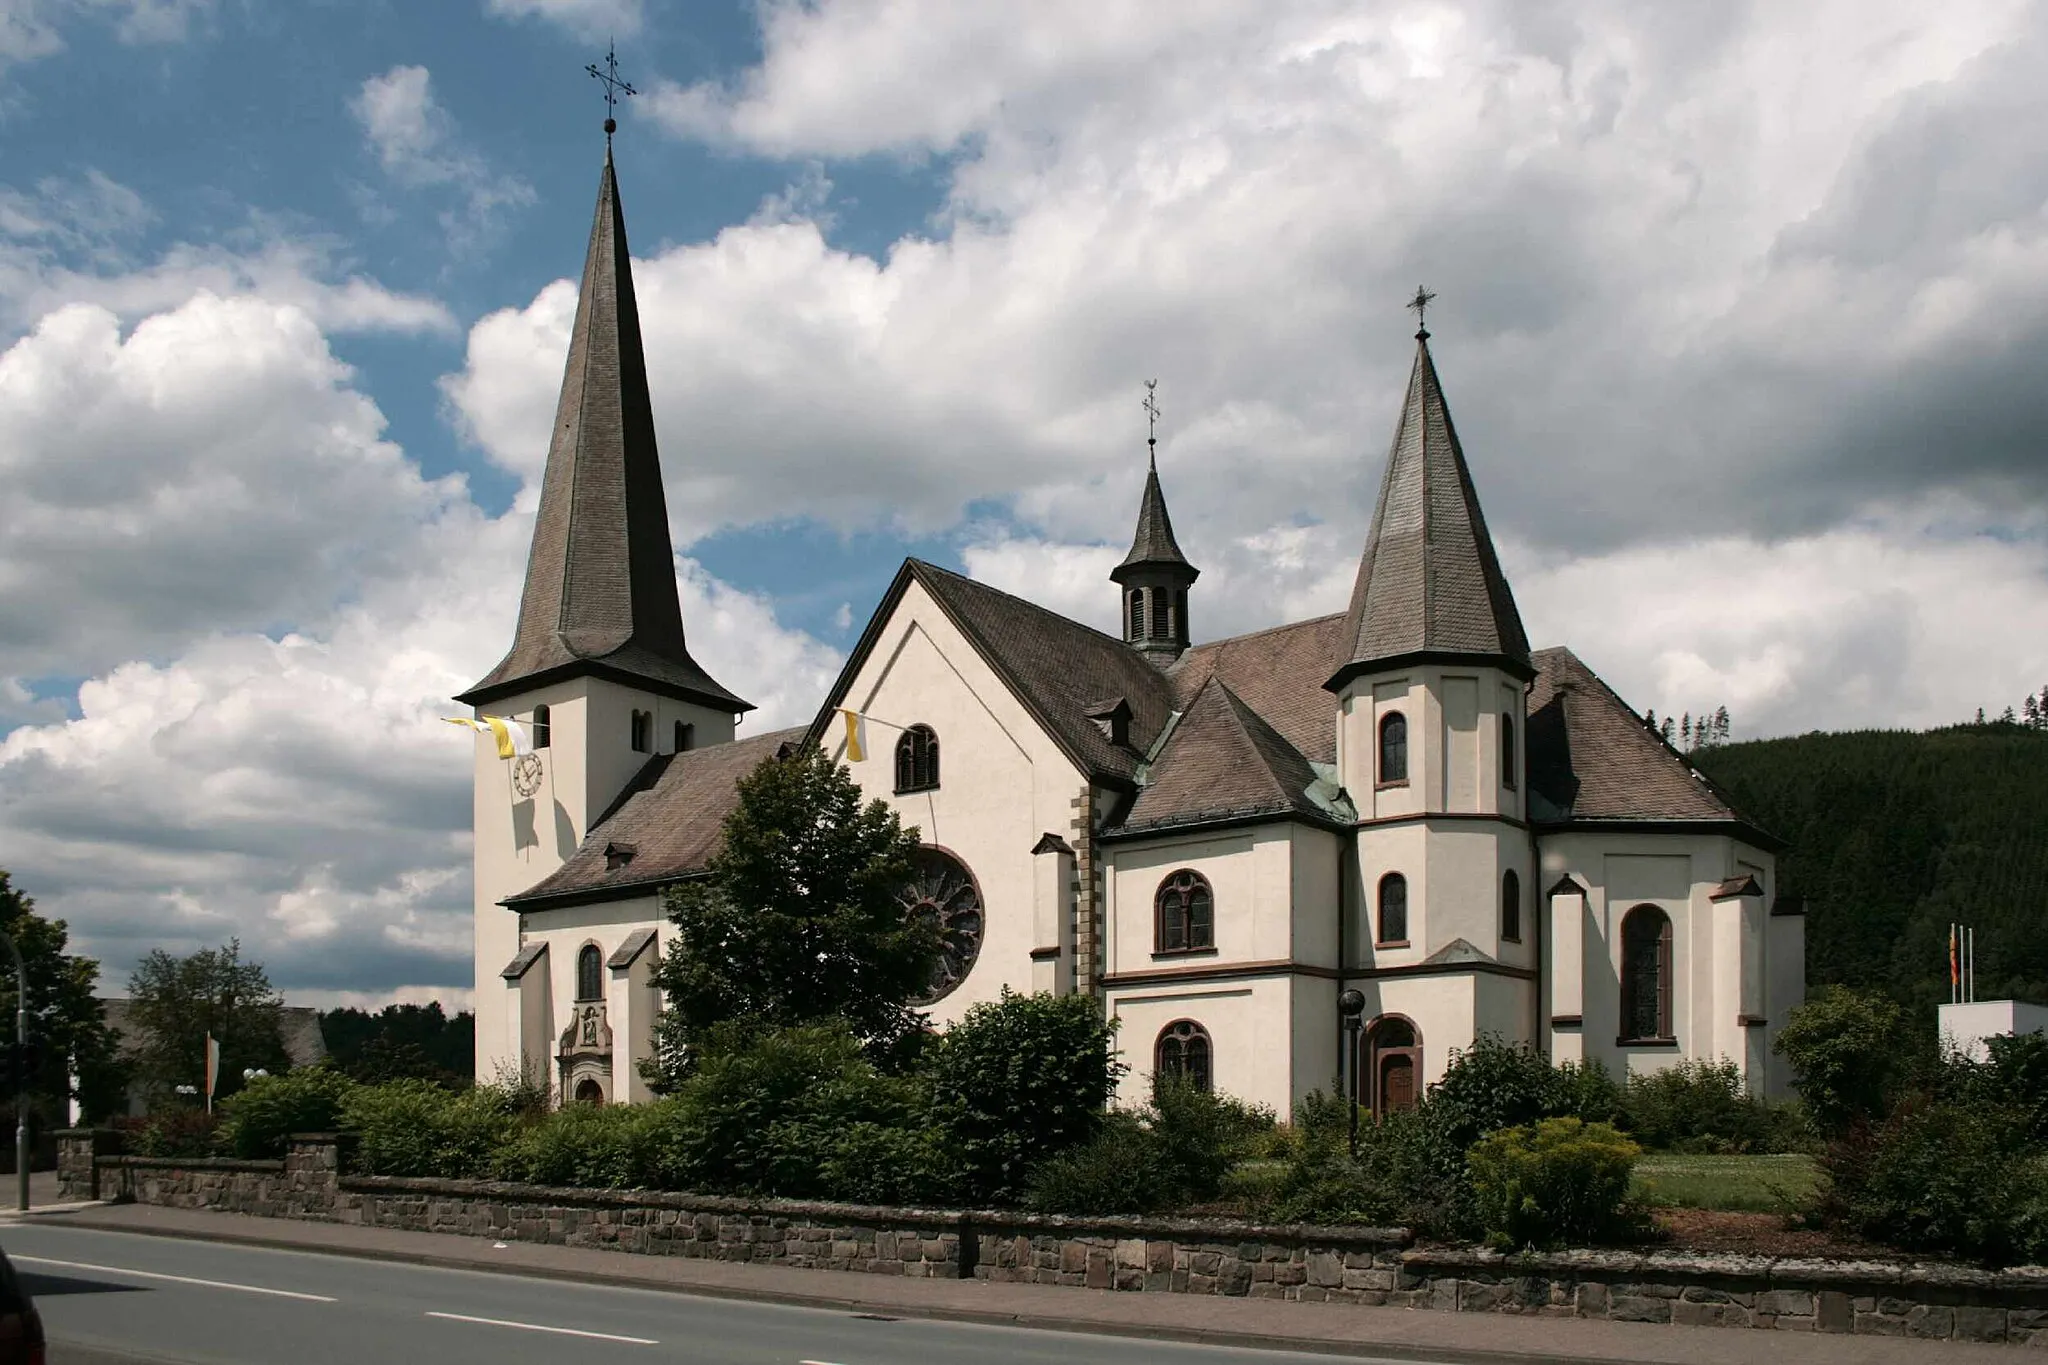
(1044, 1322)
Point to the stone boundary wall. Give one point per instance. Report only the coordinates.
(1139, 1255)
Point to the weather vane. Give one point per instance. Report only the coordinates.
(613, 88)
(1152, 414)
(1423, 298)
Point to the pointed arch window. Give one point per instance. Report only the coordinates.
(590, 973)
(1507, 751)
(1393, 748)
(1511, 907)
(1183, 1050)
(1393, 918)
(1646, 976)
(917, 760)
(1184, 914)
(543, 727)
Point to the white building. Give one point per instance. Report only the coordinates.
(1212, 840)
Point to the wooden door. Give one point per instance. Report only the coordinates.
(1397, 1088)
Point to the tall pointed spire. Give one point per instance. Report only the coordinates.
(1430, 583)
(600, 593)
(1155, 575)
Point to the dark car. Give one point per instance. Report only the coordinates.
(21, 1327)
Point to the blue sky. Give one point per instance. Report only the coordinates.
(1740, 314)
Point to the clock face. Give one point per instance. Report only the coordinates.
(526, 774)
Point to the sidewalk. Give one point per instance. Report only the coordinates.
(1333, 1328)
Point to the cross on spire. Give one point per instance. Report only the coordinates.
(1151, 406)
(613, 88)
(1423, 298)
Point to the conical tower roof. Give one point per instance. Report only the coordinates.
(1430, 583)
(1154, 546)
(600, 594)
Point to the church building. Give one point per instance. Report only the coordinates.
(1214, 841)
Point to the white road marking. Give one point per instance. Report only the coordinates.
(174, 1279)
(537, 1327)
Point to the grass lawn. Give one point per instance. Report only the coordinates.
(1763, 1184)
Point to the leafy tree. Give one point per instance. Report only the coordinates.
(798, 921)
(178, 1001)
(401, 1042)
(65, 1018)
(1848, 1055)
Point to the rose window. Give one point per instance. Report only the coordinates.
(942, 890)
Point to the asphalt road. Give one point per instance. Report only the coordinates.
(109, 1298)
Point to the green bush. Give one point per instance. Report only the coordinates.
(1118, 1170)
(799, 1113)
(1018, 1080)
(1408, 1169)
(593, 1146)
(1495, 1084)
(263, 1113)
(1697, 1107)
(172, 1133)
(414, 1127)
(1201, 1136)
(1957, 1179)
(1558, 1181)
(1849, 1057)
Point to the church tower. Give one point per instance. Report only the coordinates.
(1431, 676)
(598, 669)
(1155, 577)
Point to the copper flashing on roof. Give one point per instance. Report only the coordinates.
(1735, 887)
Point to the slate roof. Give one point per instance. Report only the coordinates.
(1429, 580)
(600, 591)
(1279, 673)
(1153, 545)
(1222, 761)
(1059, 669)
(671, 814)
(1592, 758)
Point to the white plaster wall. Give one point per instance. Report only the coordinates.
(1002, 780)
(1677, 873)
(1251, 1031)
(1453, 719)
(1442, 1008)
(1454, 869)
(1319, 857)
(1785, 969)
(628, 1001)
(1967, 1027)
(1250, 876)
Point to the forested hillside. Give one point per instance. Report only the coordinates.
(1893, 835)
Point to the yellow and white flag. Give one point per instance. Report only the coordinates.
(856, 735)
(512, 737)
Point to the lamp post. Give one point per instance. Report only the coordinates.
(21, 1054)
(1351, 1009)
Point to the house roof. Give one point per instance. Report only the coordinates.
(1153, 546)
(1278, 673)
(1223, 761)
(1592, 758)
(672, 816)
(600, 591)
(1429, 582)
(1059, 669)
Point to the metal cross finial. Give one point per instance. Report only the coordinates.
(613, 88)
(1152, 414)
(1423, 298)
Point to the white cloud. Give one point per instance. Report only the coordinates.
(29, 28)
(583, 18)
(416, 142)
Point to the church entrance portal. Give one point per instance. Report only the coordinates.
(1392, 1064)
(588, 1091)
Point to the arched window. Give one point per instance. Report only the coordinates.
(590, 973)
(1185, 914)
(686, 736)
(1137, 613)
(1510, 907)
(1393, 909)
(917, 759)
(1183, 1050)
(543, 729)
(1507, 751)
(1646, 974)
(1394, 748)
(643, 731)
